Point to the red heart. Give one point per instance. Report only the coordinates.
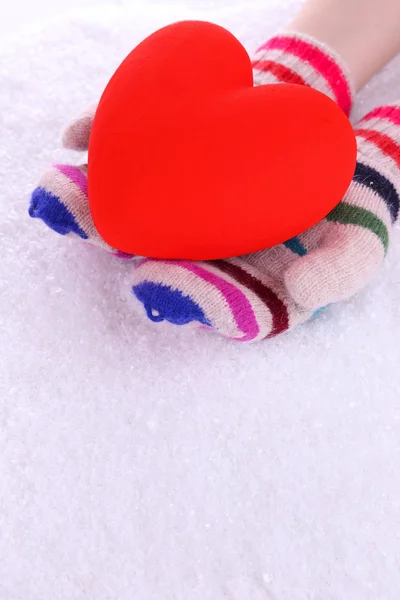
(188, 160)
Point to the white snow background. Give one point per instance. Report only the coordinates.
(141, 461)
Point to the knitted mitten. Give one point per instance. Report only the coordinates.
(61, 201)
(297, 58)
(61, 197)
(263, 294)
(246, 298)
(354, 238)
(76, 135)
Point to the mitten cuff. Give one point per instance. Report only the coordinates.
(292, 57)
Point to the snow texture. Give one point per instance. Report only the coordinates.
(150, 462)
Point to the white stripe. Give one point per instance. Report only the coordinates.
(312, 77)
(372, 150)
(364, 197)
(262, 78)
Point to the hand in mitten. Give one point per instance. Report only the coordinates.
(76, 136)
(263, 294)
(354, 238)
(61, 197)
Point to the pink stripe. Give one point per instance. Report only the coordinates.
(237, 301)
(391, 113)
(321, 62)
(75, 175)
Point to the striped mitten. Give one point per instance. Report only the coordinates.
(61, 197)
(263, 294)
(354, 238)
(299, 59)
(246, 298)
(61, 202)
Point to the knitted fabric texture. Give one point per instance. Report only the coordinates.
(61, 201)
(258, 296)
(77, 134)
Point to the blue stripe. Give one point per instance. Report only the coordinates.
(48, 207)
(319, 311)
(163, 303)
(375, 181)
(296, 246)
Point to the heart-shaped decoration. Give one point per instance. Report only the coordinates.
(189, 160)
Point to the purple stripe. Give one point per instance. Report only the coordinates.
(123, 255)
(75, 175)
(237, 301)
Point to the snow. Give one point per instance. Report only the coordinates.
(142, 461)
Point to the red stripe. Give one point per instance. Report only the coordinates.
(278, 310)
(280, 71)
(382, 141)
(391, 113)
(321, 62)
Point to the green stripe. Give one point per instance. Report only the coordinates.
(348, 214)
